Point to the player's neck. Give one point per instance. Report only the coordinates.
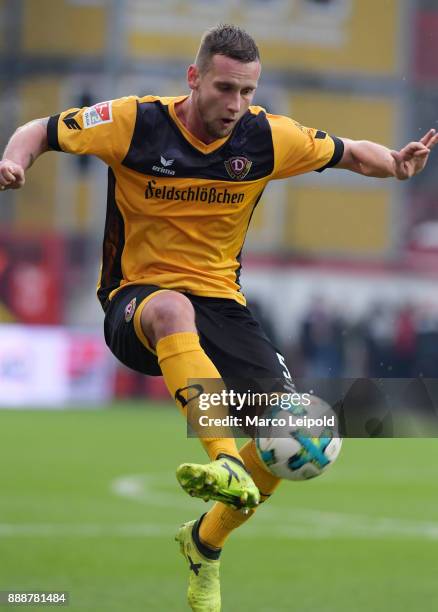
(188, 114)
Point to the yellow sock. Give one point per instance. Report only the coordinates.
(182, 358)
(221, 520)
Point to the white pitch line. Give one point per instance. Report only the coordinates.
(295, 529)
(271, 522)
(91, 530)
(145, 488)
(294, 523)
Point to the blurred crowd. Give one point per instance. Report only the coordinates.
(391, 341)
(388, 341)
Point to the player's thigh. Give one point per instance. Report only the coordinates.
(123, 333)
(238, 346)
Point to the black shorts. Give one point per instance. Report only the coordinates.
(229, 334)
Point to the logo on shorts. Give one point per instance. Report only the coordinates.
(130, 309)
(238, 167)
(97, 114)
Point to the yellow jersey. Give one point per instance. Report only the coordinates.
(178, 209)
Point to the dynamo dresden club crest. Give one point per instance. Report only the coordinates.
(130, 309)
(238, 167)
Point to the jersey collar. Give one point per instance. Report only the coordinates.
(195, 142)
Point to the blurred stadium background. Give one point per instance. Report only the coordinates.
(342, 271)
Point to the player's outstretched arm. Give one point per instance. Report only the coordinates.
(25, 145)
(371, 159)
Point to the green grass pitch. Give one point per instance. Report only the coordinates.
(89, 504)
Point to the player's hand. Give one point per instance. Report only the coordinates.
(11, 175)
(411, 160)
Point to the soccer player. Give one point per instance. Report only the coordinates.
(184, 176)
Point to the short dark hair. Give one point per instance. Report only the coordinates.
(228, 40)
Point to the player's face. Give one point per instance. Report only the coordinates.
(223, 93)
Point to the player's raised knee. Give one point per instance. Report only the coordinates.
(167, 313)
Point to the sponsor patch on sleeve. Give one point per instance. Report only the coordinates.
(98, 114)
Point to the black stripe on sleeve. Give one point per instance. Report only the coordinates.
(52, 133)
(337, 154)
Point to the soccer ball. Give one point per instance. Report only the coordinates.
(302, 452)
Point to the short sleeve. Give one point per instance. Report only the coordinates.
(299, 149)
(104, 130)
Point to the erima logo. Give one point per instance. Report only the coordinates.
(71, 123)
(166, 163)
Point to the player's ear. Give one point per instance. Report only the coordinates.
(193, 76)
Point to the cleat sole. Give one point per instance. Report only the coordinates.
(198, 481)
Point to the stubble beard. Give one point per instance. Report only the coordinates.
(209, 126)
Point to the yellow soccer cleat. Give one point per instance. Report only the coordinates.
(225, 480)
(203, 593)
